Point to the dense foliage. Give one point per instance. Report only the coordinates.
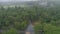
(48, 18)
(13, 17)
(49, 22)
(11, 31)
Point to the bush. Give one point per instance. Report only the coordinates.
(11, 31)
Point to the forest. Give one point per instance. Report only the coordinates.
(46, 20)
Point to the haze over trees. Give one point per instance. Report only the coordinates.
(19, 18)
(46, 19)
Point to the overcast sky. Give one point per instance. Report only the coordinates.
(24, 0)
(15, 0)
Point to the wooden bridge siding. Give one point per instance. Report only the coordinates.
(29, 33)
